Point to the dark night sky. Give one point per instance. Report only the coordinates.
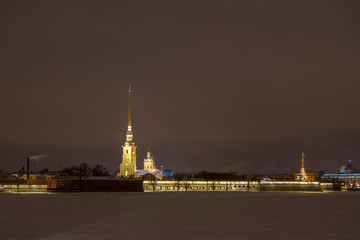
(217, 85)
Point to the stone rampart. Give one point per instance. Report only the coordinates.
(188, 186)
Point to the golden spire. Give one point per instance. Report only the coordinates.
(129, 114)
(148, 154)
(129, 135)
(302, 158)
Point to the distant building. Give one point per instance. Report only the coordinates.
(348, 169)
(312, 176)
(36, 176)
(149, 167)
(276, 177)
(348, 176)
(148, 176)
(168, 173)
(302, 175)
(2, 173)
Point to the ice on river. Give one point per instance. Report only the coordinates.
(180, 215)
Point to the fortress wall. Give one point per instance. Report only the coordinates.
(290, 186)
(171, 186)
(96, 185)
(70, 185)
(117, 185)
(19, 188)
(190, 186)
(327, 187)
(22, 185)
(111, 186)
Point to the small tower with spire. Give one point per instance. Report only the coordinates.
(128, 165)
(149, 163)
(302, 176)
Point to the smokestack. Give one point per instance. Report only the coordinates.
(28, 169)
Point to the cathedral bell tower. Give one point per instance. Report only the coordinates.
(128, 165)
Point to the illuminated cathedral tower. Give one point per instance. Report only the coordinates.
(128, 165)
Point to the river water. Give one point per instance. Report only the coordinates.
(181, 215)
